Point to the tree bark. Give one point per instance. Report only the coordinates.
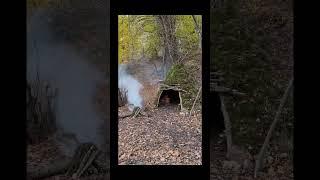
(228, 127)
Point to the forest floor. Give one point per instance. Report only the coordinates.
(277, 165)
(164, 137)
(48, 154)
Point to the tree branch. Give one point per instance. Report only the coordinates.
(272, 128)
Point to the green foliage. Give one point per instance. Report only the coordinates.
(186, 32)
(184, 76)
(123, 38)
(139, 36)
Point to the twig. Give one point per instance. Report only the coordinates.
(194, 102)
(272, 127)
(227, 123)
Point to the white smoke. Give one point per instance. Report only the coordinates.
(64, 68)
(131, 85)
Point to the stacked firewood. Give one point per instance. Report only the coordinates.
(40, 111)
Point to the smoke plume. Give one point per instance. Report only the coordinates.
(64, 68)
(131, 85)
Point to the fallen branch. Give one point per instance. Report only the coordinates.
(194, 102)
(221, 89)
(216, 80)
(125, 116)
(227, 123)
(86, 162)
(136, 111)
(216, 73)
(272, 127)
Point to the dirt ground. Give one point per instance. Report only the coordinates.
(166, 137)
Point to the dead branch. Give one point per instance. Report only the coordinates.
(227, 123)
(86, 162)
(221, 89)
(216, 73)
(127, 115)
(194, 102)
(175, 87)
(272, 128)
(136, 111)
(216, 80)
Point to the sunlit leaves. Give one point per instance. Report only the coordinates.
(139, 36)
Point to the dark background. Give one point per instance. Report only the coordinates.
(142, 7)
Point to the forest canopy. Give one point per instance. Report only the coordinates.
(148, 36)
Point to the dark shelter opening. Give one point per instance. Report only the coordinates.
(217, 121)
(169, 97)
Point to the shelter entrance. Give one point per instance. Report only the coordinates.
(169, 97)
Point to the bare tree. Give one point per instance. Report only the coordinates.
(167, 28)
